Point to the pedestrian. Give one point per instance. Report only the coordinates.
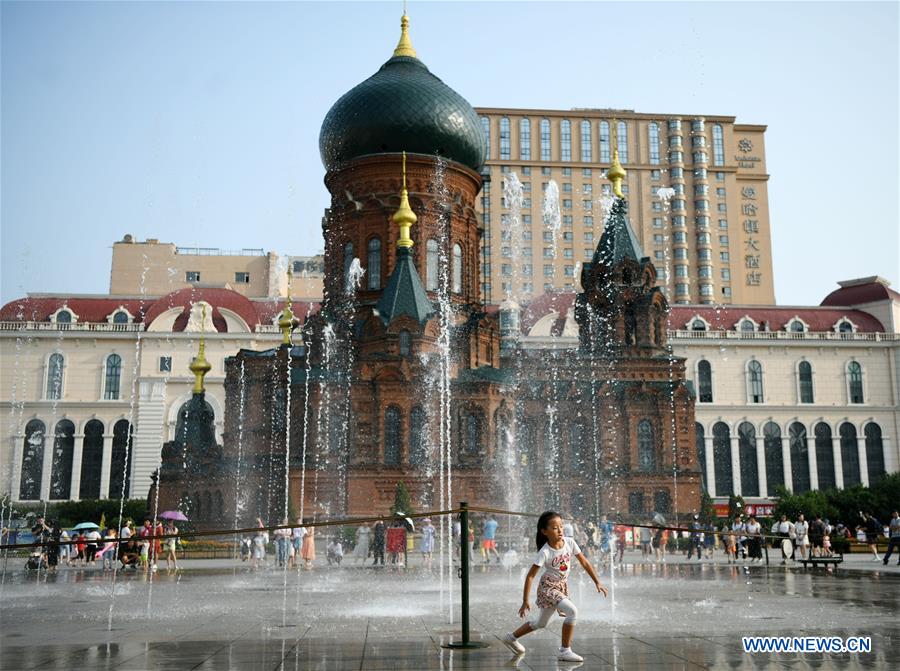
(378, 535)
(80, 545)
(554, 554)
(145, 534)
(471, 540)
(65, 548)
(109, 550)
(297, 534)
(171, 546)
(489, 539)
(590, 532)
(605, 530)
(816, 534)
(646, 536)
(739, 527)
(157, 543)
(308, 550)
(894, 539)
(282, 541)
(427, 542)
(801, 533)
(695, 541)
(334, 553)
(754, 539)
(730, 540)
(873, 528)
(93, 539)
(260, 540)
(784, 529)
(362, 548)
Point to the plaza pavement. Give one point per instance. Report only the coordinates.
(220, 614)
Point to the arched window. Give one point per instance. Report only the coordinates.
(722, 459)
(91, 460)
(473, 432)
(605, 156)
(849, 455)
(220, 503)
(457, 270)
(404, 340)
(874, 453)
(504, 139)
(754, 382)
(718, 145)
(198, 507)
(797, 326)
(565, 140)
(773, 456)
(646, 447)
(120, 464)
(486, 130)
(373, 264)
(704, 381)
(845, 327)
(587, 153)
(431, 265)
(348, 261)
(697, 324)
(418, 437)
(545, 139)
(622, 141)
(61, 469)
(32, 461)
(824, 456)
(653, 134)
(525, 139)
(804, 373)
(577, 448)
(55, 367)
(700, 444)
(855, 382)
(747, 459)
(662, 502)
(747, 325)
(63, 317)
(799, 458)
(113, 377)
(393, 436)
(279, 410)
(120, 317)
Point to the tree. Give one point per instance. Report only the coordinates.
(735, 506)
(402, 501)
(707, 509)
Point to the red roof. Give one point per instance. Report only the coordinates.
(816, 318)
(92, 309)
(861, 292)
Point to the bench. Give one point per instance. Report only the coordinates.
(825, 561)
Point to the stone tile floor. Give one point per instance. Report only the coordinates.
(221, 615)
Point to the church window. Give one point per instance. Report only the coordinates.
(393, 436)
(799, 458)
(405, 343)
(348, 261)
(113, 377)
(646, 447)
(418, 436)
(773, 456)
(374, 264)
(457, 269)
(431, 265)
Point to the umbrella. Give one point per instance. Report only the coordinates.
(85, 525)
(173, 515)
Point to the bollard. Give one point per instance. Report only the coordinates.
(465, 643)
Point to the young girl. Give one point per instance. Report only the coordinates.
(555, 553)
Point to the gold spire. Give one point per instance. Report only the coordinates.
(404, 216)
(200, 366)
(286, 321)
(616, 172)
(404, 46)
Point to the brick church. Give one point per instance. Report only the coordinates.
(403, 365)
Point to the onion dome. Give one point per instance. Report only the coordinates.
(402, 107)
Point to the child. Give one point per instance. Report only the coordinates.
(555, 553)
(826, 545)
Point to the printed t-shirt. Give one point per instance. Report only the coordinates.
(557, 563)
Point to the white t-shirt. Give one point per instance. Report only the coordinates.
(557, 563)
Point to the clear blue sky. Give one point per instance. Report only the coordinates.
(197, 123)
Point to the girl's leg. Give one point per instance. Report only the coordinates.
(570, 614)
(540, 622)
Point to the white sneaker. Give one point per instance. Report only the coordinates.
(566, 655)
(510, 642)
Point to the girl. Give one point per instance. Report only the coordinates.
(427, 543)
(308, 551)
(555, 553)
(171, 544)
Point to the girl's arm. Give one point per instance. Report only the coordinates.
(529, 578)
(590, 571)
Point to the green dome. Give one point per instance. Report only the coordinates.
(402, 107)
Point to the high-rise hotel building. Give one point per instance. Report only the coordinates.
(709, 239)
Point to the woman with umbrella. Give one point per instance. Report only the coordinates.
(171, 543)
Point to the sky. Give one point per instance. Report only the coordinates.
(197, 122)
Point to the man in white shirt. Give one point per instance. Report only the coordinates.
(93, 539)
(784, 529)
(738, 528)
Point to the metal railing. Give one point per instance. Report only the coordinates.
(101, 327)
(783, 335)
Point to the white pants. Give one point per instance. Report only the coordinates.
(567, 608)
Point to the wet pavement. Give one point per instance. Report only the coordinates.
(222, 615)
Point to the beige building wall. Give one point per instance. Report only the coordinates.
(727, 256)
(153, 268)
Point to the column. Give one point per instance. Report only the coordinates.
(813, 462)
(863, 459)
(75, 490)
(46, 471)
(710, 466)
(786, 462)
(761, 466)
(106, 463)
(735, 466)
(838, 462)
(16, 464)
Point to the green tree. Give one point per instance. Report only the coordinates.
(707, 509)
(402, 501)
(735, 506)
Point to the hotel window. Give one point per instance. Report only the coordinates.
(526, 202)
(655, 174)
(855, 382)
(506, 252)
(348, 261)
(527, 251)
(657, 222)
(242, 278)
(680, 236)
(681, 271)
(189, 276)
(705, 272)
(678, 204)
(565, 140)
(675, 141)
(588, 221)
(567, 203)
(545, 171)
(526, 170)
(674, 124)
(486, 131)
(701, 205)
(527, 269)
(505, 236)
(726, 291)
(704, 254)
(678, 220)
(604, 142)
(526, 187)
(585, 172)
(722, 207)
(587, 204)
(567, 235)
(567, 187)
(588, 253)
(720, 191)
(567, 253)
(586, 152)
(567, 172)
(701, 190)
(569, 271)
(726, 274)
(548, 271)
(658, 254)
(657, 206)
(702, 238)
(653, 131)
(525, 143)
(548, 236)
(504, 139)
(506, 269)
(680, 253)
(697, 125)
(718, 146)
(588, 236)
(526, 219)
(658, 239)
(622, 141)
(606, 189)
(587, 189)
(706, 290)
(548, 253)
(698, 141)
(457, 269)
(723, 240)
(681, 289)
(720, 176)
(545, 141)
(701, 221)
(676, 157)
(754, 382)
(676, 173)
(505, 168)
(723, 223)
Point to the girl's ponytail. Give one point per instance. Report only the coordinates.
(540, 539)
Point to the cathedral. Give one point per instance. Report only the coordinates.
(404, 375)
